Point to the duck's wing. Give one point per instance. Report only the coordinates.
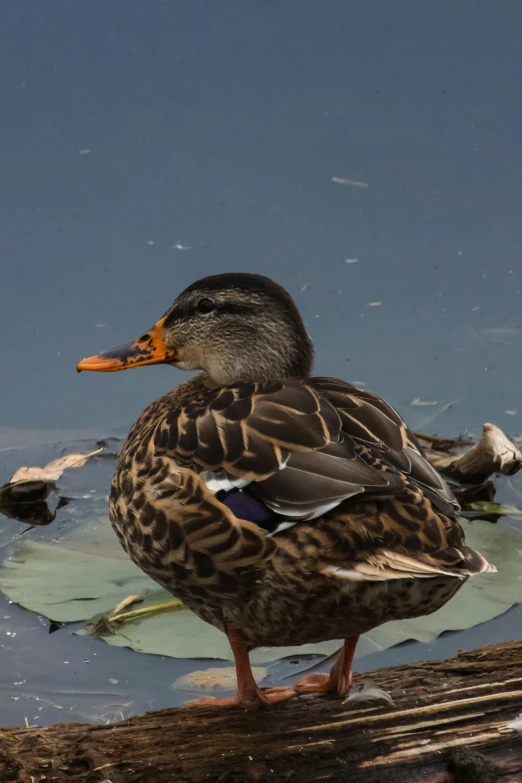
(402, 537)
(299, 450)
(301, 447)
(383, 435)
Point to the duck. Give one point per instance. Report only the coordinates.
(281, 507)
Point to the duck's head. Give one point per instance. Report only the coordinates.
(235, 327)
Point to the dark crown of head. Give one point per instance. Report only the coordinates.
(241, 281)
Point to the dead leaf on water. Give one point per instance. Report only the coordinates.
(53, 470)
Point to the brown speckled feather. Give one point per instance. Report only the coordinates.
(305, 445)
(334, 440)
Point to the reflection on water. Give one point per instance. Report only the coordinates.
(357, 154)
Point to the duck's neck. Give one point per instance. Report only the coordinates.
(268, 361)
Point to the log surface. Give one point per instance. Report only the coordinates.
(463, 703)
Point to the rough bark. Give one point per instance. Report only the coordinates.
(445, 714)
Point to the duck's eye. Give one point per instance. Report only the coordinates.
(206, 306)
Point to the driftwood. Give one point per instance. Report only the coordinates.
(448, 716)
(494, 453)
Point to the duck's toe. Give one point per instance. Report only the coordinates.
(277, 695)
(261, 698)
(324, 683)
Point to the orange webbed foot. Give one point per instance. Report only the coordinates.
(324, 683)
(261, 698)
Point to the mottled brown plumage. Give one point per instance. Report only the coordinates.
(356, 527)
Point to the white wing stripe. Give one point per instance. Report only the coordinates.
(216, 482)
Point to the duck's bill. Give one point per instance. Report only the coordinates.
(150, 348)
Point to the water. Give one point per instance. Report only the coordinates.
(146, 145)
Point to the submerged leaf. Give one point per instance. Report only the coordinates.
(211, 679)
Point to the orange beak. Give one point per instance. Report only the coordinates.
(150, 348)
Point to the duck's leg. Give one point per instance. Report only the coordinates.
(248, 696)
(340, 677)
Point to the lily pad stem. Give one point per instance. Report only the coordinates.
(147, 611)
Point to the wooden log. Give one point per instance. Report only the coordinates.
(494, 453)
(446, 713)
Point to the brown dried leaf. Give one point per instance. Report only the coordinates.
(54, 469)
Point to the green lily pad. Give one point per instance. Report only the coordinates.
(67, 585)
(181, 634)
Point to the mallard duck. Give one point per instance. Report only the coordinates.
(280, 507)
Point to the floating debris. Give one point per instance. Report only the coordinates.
(351, 260)
(419, 402)
(24, 497)
(353, 182)
(374, 304)
(53, 470)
